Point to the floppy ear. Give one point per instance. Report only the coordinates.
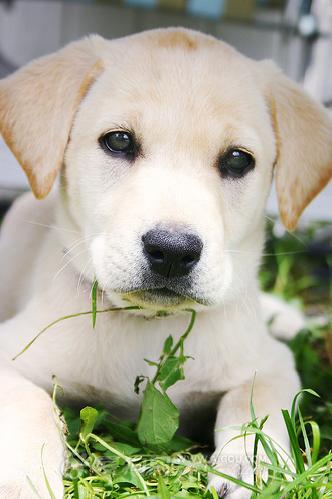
(37, 108)
(303, 132)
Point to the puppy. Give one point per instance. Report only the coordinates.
(166, 143)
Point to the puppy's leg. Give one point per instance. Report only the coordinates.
(30, 439)
(287, 320)
(273, 390)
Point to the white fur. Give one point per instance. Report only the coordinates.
(98, 215)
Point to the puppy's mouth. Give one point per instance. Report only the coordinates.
(160, 298)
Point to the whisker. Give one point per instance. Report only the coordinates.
(78, 242)
(67, 263)
(74, 245)
(82, 276)
(288, 232)
(301, 252)
(54, 227)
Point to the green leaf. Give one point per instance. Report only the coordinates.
(73, 422)
(94, 302)
(159, 418)
(171, 372)
(122, 432)
(82, 492)
(168, 344)
(178, 444)
(128, 475)
(88, 416)
(163, 493)
(126, 449)
(151, 363)
(214, 493)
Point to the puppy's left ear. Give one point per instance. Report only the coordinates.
(303, 131)
(37, 108)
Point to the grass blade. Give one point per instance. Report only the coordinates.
(296, 451)
(94, 302)
(70, 316)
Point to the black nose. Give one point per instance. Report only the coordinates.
(171, 253)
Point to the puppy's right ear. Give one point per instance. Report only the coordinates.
(38, 105)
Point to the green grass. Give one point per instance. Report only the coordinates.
(111, 459)
(111, 462)
(118, 459)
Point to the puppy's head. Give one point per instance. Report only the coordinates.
(167, 142)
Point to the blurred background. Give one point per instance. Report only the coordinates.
(297, 34)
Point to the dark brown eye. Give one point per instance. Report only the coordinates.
(235, 163)
(119, 143)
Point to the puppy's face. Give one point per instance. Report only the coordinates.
(167, 172)
(167, 142)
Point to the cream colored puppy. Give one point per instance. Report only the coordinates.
(166, 142)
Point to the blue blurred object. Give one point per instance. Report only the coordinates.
(141, 3)
(206, 8)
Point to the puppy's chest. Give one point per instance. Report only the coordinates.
(100, 366)
(119, 368)
(113, 358)
(113, 386)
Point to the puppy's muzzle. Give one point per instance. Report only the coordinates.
(171, 253)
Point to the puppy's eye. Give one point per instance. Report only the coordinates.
(118, 142)
(235, 163)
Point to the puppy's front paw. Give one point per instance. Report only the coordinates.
(29, 475)
(32, 449)
(234, 465)
(16, 485)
